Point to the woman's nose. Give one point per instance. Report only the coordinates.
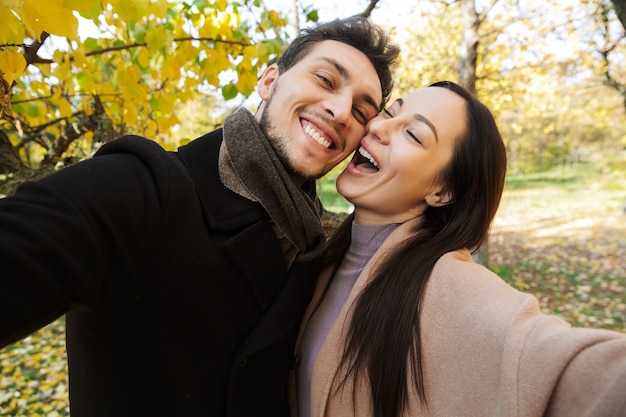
(379, 128)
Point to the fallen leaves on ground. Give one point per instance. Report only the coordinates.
(568, 251)
(33, 375)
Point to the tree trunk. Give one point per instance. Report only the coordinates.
(295, 15)
(620, 10)
(468, 57)
(468, 51)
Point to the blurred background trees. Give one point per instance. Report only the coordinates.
(79, 73)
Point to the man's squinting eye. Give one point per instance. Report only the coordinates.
(360, 115)
(325, 80)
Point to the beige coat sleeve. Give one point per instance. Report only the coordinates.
(488, 351)
(490, 344)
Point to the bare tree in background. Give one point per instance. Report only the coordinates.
(368, 10)
(468, 56)
(611, 79)
(295, 15)
(620, 10)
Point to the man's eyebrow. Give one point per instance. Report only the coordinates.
(343, 72)
(423, 119)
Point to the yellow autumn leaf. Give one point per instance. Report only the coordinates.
(191, 84)
(166, 122)
(130, 115)
(246, 82)
(125, 9)
(209, 30)
(127, 75)
(173, 119)
(260, 49)
(11, 4)
(65, 108)
(166, 103)
(274, 17)
(63, 70)
(221, 4)
(80, 60)
(106, 90)
(12, 65)
(150, 128)
(211, 74)
(38, 87)
(89, 9)
(225, 20)
(156, 38)
(130, 10)
(219, 61)
(11, 29)
(143, 57)
(179, 27)
(88, 85)
(171, 68)
(49, 16)
(158, 8)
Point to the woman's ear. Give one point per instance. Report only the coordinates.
(439, 198)
(264, 87)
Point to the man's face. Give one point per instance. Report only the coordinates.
(315, 113)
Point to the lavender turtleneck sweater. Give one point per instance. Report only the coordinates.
(365, 241)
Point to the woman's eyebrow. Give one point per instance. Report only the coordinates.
(421, 118)
(427, 122)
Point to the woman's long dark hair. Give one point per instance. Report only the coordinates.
(384, 334)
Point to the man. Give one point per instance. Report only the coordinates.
(185, 275)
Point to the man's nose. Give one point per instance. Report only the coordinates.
(339, 107)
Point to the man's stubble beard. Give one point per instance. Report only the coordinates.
(280, 142)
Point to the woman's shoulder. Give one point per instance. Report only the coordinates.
(471, 288)
(461, 262)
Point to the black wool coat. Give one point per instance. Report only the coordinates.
(177, 297)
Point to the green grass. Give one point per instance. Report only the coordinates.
(562, 236)
(559, 235)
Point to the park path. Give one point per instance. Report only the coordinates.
(569, 250)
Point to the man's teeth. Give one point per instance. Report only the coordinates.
(317, 137)
(368, 156)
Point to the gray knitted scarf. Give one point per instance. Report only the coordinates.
(294, 209)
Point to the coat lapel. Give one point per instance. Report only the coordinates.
(328, 361)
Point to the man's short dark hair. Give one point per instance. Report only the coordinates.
(358, 32)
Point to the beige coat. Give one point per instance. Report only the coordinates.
(487, 352)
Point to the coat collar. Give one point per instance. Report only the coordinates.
(223, 209)
(403, 232)
(329, 352)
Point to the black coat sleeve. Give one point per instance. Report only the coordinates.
(77, 238)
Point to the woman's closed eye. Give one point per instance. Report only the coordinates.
(414, 137)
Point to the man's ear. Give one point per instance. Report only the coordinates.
(439, 198)
(264, 87)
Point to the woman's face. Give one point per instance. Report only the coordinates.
(395, 173)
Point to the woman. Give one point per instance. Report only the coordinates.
(403, 323)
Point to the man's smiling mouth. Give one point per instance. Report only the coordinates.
(317, 136)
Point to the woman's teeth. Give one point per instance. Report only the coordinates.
(368, 156)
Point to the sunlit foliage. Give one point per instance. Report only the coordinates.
(140, 60)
